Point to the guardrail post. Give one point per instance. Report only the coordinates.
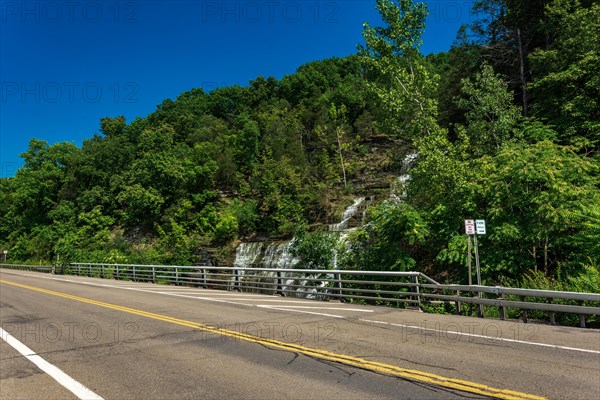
(204, 278)
(133, 276)
(581, 316)
(236, 278)
(118, 277)
(501, 308)
(458, 310)
(102, 271)
(153, 274)
(418, 291)
(479, 305)
(78, 269)
(523, 311)
(339, 284)
(176, 276)
(551, 314)
(90, 269)
(279, 290)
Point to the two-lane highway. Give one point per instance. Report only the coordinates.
(127, 340)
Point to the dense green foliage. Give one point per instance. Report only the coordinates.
(200, 172)
(528, 164)
(505, 126)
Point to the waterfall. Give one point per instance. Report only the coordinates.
(264, 255)
(342, 228)
(247, 253)
(277, 254)
(348, 214)
(407, 163)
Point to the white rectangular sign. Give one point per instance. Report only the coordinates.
(469, 226)
(480, 226)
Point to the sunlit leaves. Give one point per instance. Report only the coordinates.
(491, 116)
(566, 82)
(400, 79)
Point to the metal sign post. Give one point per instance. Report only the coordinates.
(474, 228)
(470, 230)
(477, 261)
(469, 260)
(479, 230)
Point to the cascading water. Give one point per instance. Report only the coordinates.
(264, 255)
(407, 163)
(342, 228)
(348, 214)
(247, 253)
(277, 254)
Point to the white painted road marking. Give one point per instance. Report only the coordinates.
(56, 373)
(269, 307)
(318, 308)
(474, 335)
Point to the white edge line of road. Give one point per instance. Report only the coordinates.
(318, 308)
(474, 335)
(56, 373)
(270, 307)
(276, 307)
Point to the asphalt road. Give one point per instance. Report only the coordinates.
(127, 340)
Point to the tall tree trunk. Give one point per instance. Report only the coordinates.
(339, 140)
(546, 255)
(522, 72)
(546, 34)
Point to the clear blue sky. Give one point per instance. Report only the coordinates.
(65, 65)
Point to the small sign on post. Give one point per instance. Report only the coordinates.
(472, 229)
(469, 226)
(480, 226)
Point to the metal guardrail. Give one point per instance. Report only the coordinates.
(500, 299)
(27, 267)
(380, 287)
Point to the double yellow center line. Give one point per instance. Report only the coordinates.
(465, 386)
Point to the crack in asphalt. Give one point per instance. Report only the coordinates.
(376, 357)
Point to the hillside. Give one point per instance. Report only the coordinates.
(503, 127)
(204, 170)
